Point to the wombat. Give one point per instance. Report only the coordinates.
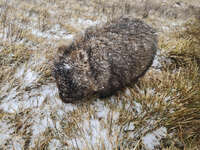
(105, 59)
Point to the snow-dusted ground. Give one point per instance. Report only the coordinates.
(151, 140)
(32, 113)
(43, 102)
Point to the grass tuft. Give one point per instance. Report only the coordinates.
(183, 46)
(11, 57)
(183, 83)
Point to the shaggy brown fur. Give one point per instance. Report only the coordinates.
(105, 59)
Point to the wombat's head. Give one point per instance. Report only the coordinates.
(72, 74)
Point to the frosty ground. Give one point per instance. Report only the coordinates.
(153, 114)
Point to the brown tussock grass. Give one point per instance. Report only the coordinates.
(183, 79)
(174, 102)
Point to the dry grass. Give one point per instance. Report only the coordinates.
(11, 57)
(183, 50)
(183, 47)
(31, 113)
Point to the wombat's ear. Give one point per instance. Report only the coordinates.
(91, 31)
(65, 47)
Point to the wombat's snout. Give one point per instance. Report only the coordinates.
(105, 59)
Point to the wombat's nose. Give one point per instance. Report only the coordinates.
(61, 69)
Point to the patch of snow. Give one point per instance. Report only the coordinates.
(3, 137)
(17, 144)
(10, 106)
(5, 88)
(148, 91)
(49, 90)
(34, 99)
(40, 125)
(54, 144)
(94, 134)
(129, 127)
(165, 28)
(156, 62)
(30, 76)
(60, 112)
(10, 94)
(39, 33)
(77, 143)
(69, 36)
(151, 140)
(167, 99)
(101, 110)
(32, 102)
(115, 115)
(59, 33)
(27, 76)
(128, 92)
(1, 36)
(20, 71)
(51, 34)
(95, 130)
(4, 33)
(15, 106)
(5, 131)
(88, 22)
(138, 107)
(93, 127)
(67, 107)
(84, 23)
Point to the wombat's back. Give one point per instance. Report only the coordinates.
(113, 57)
